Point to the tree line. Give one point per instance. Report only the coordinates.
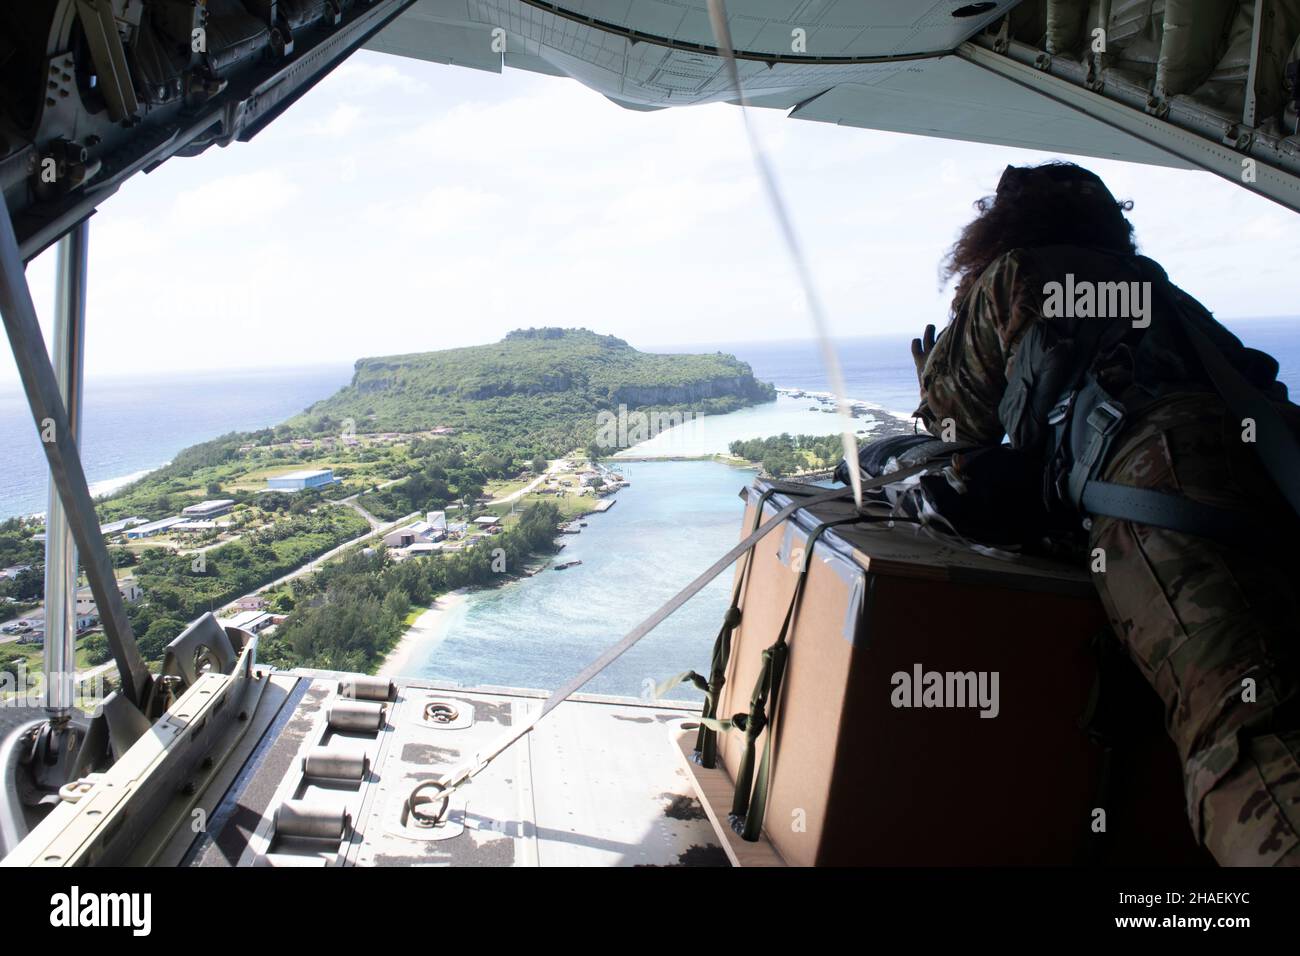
(787, 454)
(349, 614)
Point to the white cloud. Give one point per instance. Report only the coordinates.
(340, 122)
(370, 73)
(233, 200)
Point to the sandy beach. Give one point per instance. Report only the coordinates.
(428, 627)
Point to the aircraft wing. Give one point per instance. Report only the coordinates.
(1165, 86)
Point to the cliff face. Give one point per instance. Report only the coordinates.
(599, 368)
(734, 386)
(533, 379)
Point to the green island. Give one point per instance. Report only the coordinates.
(498, 441)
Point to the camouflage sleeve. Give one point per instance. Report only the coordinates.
(966, 372)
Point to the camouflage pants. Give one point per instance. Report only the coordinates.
(1203, 620)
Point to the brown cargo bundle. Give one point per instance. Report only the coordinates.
(937, 706)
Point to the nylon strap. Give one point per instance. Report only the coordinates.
(1163, 509)
(706, 741)
(751, 793)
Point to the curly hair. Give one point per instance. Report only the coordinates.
(1055, 203)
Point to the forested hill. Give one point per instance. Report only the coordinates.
(537, 388)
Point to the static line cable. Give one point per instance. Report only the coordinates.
(722, 36)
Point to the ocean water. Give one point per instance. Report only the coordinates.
(713, 434)
(880, 369)
(671, 524)
(131, 426)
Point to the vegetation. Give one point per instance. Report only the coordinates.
(349, 614)
(411, 433)
(16, 544)
(443, 475)
(178, 589)
(536, 392)
(17, 549)
(787, 454)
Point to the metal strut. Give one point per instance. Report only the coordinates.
(60, 552)
(57, 439)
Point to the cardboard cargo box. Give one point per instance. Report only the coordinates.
(933, 707)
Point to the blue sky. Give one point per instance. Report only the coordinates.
(403, 206)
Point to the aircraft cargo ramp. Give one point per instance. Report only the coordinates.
(323, 775)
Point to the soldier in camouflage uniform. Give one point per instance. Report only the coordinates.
(1212, 627)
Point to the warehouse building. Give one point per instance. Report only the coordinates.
(299, 480)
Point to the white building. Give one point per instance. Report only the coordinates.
(127, 587)
(254, 622)
(421, 532)
(420, 549)
(208, 509)
(117, 527)
(200, 526)
(153, 527)
(298, 480)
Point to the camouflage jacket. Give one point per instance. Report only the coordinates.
(966, 372)
(968, 369)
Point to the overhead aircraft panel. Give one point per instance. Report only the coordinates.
(952, 98)
(421, 34)
(935, 95)
(831, 27)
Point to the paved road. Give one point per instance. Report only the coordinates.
(317, 562)
(551, 469)
(355, 505)
(352, 502)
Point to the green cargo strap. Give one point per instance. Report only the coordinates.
(706, 741)
(750, 802)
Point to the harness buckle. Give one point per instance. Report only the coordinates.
(1106, 418)
(1061, 410)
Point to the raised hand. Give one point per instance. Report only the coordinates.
(921, 349)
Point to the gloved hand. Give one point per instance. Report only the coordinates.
(921, 349)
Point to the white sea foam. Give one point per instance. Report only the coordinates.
(110, 485)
